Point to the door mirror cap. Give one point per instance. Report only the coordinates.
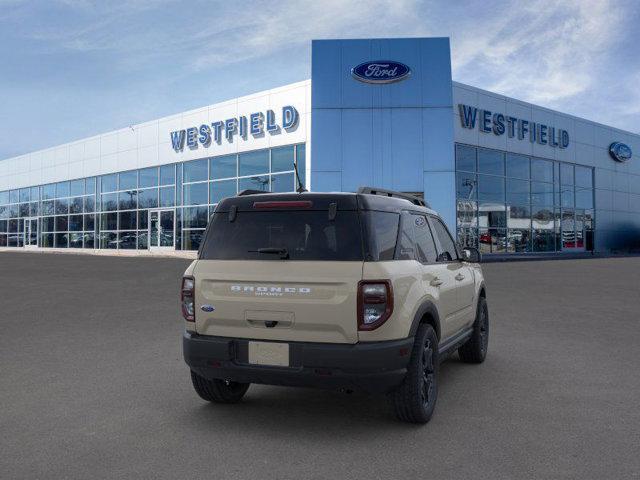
(471, 255)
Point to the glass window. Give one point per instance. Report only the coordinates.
(35, 191)
(568, 228)
(405, 249)
(254, 183)
(143, 220)
(282, 183)
(168, 175)
(128, 220)
(167, 195)
(14, 196)
(301, 160)
(192, 239)
(224, 167)
(76, 205)
(196, 194)
(252, 163)
(541, 193)
(282, 159)
(48, 192)
(143, 239)
(89, 222)
(566, 195)
(220, 190)
(24, 209)
(544, 240)
(148, 198)
(90, 185)
(519, 217)
(447, 248)
(425, 245)
(76, 187)
(48, 224)
(62, 189)
(75, 240)
(108, 240)
(518, 241)
(566, 174)
(491, 188)
(4, 198)
(542, 218)
(584, 177)
(517, 191)
(382, 228)
(89, 204)
(109, 201)
(24, 195)
(148, 177)
(490, 161)
(62, 206)
(46, 240)
(305, 234)
(541, 170)
(109, 221)
(127, 200)
(465, 158)
(62, 223)
(128, 180)
(75, 223)
(492, 215)
(195, 170)
(109, 183)
(128, 240)
(466, 186)
(89, 241)
(517, 166)
(492, 240)
(196, 217)
(584, 197)
(62, 240)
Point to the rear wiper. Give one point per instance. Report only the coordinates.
(283, 252)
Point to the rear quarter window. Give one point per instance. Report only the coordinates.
(381, 234)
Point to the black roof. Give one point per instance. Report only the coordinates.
(321, 201)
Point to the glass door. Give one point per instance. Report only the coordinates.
(30, 232)
(162, 229)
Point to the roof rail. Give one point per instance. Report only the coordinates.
(249, 191)
(392, 193)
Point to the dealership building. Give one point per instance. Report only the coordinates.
(507, 176)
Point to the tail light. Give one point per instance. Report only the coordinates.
(187, 299)
(375, 303)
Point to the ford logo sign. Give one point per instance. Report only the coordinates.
(380, 71)
(620, 151)
(207, 308)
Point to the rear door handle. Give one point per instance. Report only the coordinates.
(436, 282)
(459, 277)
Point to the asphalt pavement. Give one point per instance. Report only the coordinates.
(93, 385)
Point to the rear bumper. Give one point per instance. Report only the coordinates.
(371, 367)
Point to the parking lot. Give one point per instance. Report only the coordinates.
(93, 385)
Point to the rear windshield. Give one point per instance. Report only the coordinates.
(275, 235)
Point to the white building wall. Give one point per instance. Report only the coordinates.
(149, 144)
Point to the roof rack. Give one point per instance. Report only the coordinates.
(392, 193)
(249, 191)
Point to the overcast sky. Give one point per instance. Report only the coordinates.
(74, 68)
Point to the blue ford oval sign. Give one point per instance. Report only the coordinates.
(620, 151)
(207, 308)
(380, 71)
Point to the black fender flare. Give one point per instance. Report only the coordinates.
(427, 307)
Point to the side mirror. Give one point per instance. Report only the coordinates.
(471, 255)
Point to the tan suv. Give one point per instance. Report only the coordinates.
(353, 291)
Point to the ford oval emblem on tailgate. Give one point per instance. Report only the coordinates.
(207, 308)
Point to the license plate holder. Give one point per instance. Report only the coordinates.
(272, 354)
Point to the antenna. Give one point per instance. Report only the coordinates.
(300, 188)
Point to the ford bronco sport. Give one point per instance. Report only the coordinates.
(355, 291)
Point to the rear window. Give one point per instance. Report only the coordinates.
(303, 234)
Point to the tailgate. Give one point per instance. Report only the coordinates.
(302, 301)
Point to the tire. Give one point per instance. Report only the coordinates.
(218, 391)
(475, 349)
(415, 399)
